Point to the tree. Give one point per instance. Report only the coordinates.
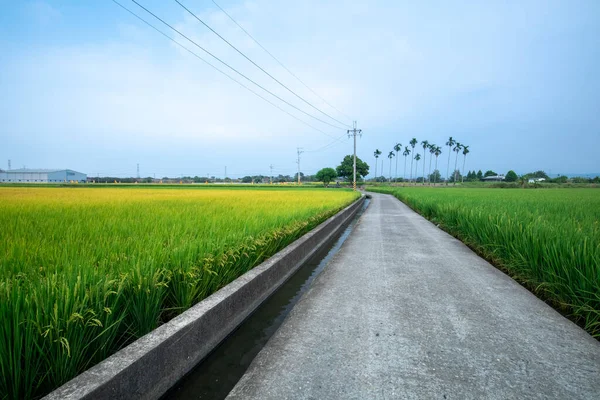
(405, 154)
(455, 176)
(417, 157)
(344, 170)
(465, 152)
(438, 151)
(431, 152)
(413, 142)
(247, 179)
(377, 153)
(489, 172)
(390, 156)
(451, 142)
(425, 145)
(326, 175)
(511, 176)
(397, 148)
(479, 175)
(435, 176)
(457, 149)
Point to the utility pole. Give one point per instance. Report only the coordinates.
(138, 171)
(9, 165)
(353, 132)
(299, 149)
(225, 173)
(271, 177)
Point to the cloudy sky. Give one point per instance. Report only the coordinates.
(87, 86)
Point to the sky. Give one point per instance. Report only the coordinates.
(85, 85)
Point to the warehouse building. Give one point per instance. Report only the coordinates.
(26, 175)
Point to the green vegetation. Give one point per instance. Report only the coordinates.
(84, 272)
(326, 175)
(547, 239)
(345, 169)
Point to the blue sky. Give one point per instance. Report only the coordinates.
(84, 85)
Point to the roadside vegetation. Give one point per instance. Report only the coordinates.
(84, 272)
(549, 240)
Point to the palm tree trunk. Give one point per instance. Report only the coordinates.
(404, 177)
(435, 177)
(429, 175)
(390, 169)
(455, 162)
(463, 174)
(396, 166)
(376, 162)
(411, 166)
(448, 169)
(424, 165)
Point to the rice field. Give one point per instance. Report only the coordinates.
(548, 240)
(84, 272)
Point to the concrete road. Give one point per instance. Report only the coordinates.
(406, 311)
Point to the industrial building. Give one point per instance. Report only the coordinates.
(25, 175)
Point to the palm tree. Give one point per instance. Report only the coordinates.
(438, 151)
(405, 154)
(457, 149)
(397, 148)
(431, 151)
(465, 152)
(413, 142)
(417, 157)
(376, 154)
(425, 144)
(451, 142)
(390, 156)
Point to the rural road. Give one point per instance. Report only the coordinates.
(406, 311)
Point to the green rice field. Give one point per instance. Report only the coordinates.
(549, 240)
(84, 272)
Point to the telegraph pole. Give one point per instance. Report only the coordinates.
(353, 132)
(271, 176)
(299, 149)
(225, 173)
(9, 165)
(138, 171)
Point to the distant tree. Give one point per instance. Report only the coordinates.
(397, 148)
(425, 144)
(451, 142)
(455, 176)
(489, 172)
(595, 180)
(413, 142)
(438, 151)
(390, 156)
(417, 158)
(511, 176)
(457, 149)
(405, 154)
(326, 175)
(377, 153)
(431, 148)
(435, 176)
(344, 170)
(537, 174)
(479, 175)
(465, 152)
(247, 179)
(561, 179)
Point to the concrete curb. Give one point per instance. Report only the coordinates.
(151, 365)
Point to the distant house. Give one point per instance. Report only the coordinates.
(25, 175)
(534, 180)
(494, 178)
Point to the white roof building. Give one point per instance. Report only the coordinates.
(26, 175)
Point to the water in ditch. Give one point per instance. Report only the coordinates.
(217, 374)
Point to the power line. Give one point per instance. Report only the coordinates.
(219, 70)
(230, 67)
(279, 62)
(258, 66)
(329, 145)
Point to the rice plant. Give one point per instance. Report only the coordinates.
(84, 272)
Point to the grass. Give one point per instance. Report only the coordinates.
(549, 240)
(85, 272)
